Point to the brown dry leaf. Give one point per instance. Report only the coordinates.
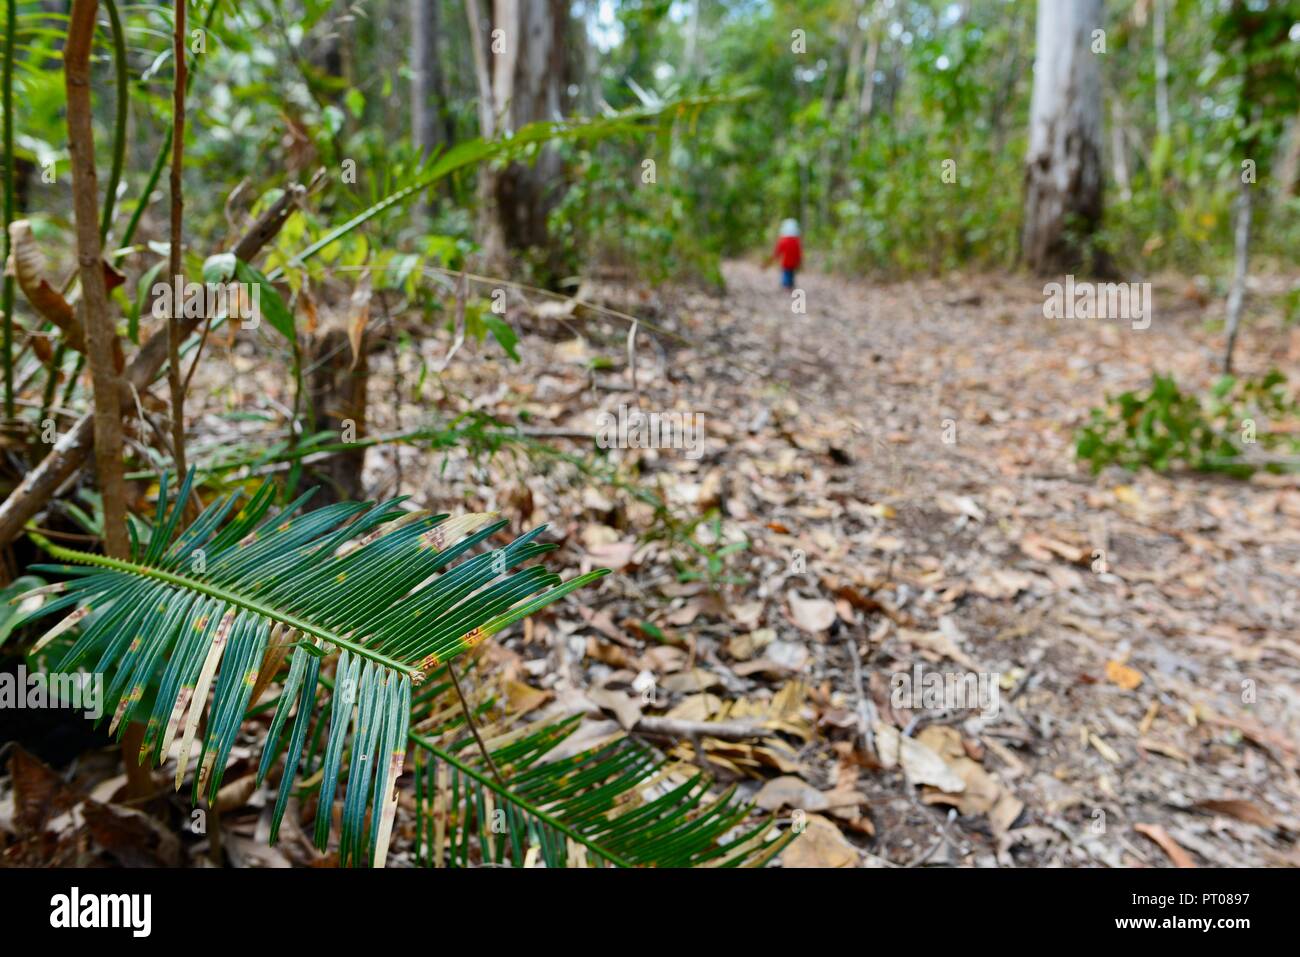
(1239, 808)
(686, 615)
(1177, 855)
(1002, 583)
(359, 316)
(1127, 494)
(574, 351)
(310, 314)
(131, 837)
(943, 740)
(747, 614)
(786, 712)
(789, 791)
(983, 793)
(277, 649)
(812, 615)
(610, 654)
(615, 555)
(696, 707)
(960, 505)
(603, 623)
(939, 643)
(522, 698)
(1122, 675)
(622, 706)
(743, 647)
(28, 267)
(846, 802)
(1044, 549)
(39, 793)
(921, 764)
(1163, 747)
(41, 348)
(1104, 749)
(697, 679)
(665, 659)
(763, 667)
(820, 845)
(235, 794)
(1005, 812)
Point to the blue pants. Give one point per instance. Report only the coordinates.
(787, 278)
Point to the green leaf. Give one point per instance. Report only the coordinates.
(11, 615)
(271, 305)
(503, 334)
(370, 580)
(618, 804)
(356, 101)
(220, 267)
(143, 289)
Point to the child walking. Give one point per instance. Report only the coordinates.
(788, 252)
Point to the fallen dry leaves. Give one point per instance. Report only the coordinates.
(1139, 629)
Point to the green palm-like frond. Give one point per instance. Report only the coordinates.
(203, 610)
(618, 803)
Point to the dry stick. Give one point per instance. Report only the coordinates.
(107, 419)
(72, 450)
(174, 250)
(682, 728)
(198, 354)
(865, 708)
(1241, 256)
(631, 360)
(469, 719)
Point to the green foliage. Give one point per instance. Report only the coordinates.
(614, 804)
(1167, 427)
(951, 82)
(480, 322)
(239, 590)
(10, 615)
(707, 561)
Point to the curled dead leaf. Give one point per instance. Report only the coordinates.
(813, 615)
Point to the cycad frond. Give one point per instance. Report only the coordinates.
(616, 804)
(212, 607)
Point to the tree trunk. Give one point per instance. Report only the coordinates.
(1162, 69)
(867, 98)
(101, 339)
(1118, 150)
(337, 385)
(1237, 294)
(1289, 167)
(1063, 173)
(428, 95)
(100, 336)
(521, 83)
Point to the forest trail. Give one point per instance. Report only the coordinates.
(915, 442)
(899, 462)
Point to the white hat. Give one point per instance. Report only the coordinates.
(789, 227)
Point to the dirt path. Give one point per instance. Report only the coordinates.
(898, 462)
(913, 443)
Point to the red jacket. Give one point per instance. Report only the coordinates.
(789, 252)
